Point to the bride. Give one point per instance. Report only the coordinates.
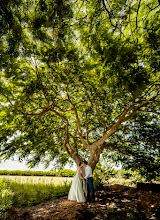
(76, 191)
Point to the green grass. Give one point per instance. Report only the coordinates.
(33, 190)
(31, 194)
(6, 196)
(28, 191)
(36, 179)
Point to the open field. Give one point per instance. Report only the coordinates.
(20, 191)
(37, 179)
(60, 180)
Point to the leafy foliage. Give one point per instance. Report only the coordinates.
(76, 77)
(141, 149)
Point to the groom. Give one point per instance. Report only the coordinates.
(88, 177)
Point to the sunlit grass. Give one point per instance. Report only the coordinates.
(31, 190)
(31, 194)
(37, 179)
(127, 182)
(122, 181)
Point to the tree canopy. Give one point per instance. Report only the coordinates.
(80, 79)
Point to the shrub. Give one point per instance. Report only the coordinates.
(66, 173)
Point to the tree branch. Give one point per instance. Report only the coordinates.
(112, 129)
(78, 125)
(137, 13)
(105, 146)
(36, 114)
(109, 13)
(87, 131)
(67, 110)
(149, 91)
(139, 107)
(117, 26)
(40, 82)
(101, 118)
(131, 27)
(75, 143)
(75, 157)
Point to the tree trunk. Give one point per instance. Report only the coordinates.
(93, 159)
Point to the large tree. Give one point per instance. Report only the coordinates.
(79, 78)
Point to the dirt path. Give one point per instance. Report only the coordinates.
(115, 202)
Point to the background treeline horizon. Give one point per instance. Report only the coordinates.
(61, 172)
(101, 174)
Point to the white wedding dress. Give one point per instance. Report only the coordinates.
(76, 191)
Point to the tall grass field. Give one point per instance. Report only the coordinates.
(22, 191)
(36, 179)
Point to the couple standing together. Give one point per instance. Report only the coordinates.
(76, 192)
